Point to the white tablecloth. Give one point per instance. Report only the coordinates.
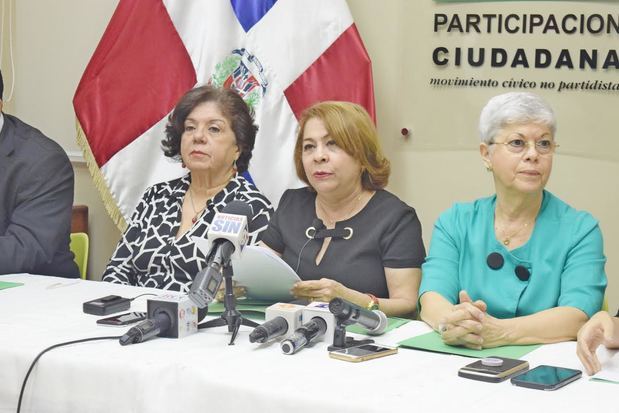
(202, 373)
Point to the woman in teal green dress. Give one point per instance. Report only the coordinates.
(521, 266)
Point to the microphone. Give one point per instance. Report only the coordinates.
(227, 236)
(271, 329)
(282, 319)
(312, 330)
(318, 322)
(168, 316)
(147, 329)
(347, 313)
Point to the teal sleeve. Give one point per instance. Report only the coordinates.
(440, 272)
(583, 281)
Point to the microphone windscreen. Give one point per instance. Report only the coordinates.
(239, 208)
(382, 325)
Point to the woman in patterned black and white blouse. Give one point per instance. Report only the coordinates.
(212, 132)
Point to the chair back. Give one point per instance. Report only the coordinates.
(79, 219)
(79, 247)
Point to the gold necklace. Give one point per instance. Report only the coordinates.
(508, 238)
(331, 221)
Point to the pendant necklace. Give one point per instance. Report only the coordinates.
(215, 190)
(508, 238)
(195, 210)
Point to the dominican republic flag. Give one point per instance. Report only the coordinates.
(280, 55)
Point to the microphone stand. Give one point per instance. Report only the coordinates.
(231, 316)
(340, 340)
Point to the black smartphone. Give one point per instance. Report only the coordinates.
(493, 369)
(546, 377)
(122, 319)
(363, 352)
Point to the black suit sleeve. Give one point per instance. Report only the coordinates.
(273, 236)
(41, 219)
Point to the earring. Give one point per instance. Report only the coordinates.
(488, 167)
(183, 164)
(234, 168)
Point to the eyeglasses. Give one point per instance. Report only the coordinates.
(518, 145)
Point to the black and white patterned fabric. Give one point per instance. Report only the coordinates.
(149, 254)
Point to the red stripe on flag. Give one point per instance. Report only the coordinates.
(342, 72)
(137, 74)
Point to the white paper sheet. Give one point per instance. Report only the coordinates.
(610, 365)
(265, 275)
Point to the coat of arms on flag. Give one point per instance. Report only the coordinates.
(280, 55)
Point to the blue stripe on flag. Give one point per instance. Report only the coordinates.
(249, 12)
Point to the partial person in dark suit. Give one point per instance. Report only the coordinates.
(36, 197)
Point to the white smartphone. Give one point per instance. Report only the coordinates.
(363, 352)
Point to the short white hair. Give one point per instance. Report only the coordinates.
(514, 108)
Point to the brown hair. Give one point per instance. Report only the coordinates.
(352, 129)
(231, 105)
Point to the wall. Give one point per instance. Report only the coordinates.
(7, 25)
(54, 41)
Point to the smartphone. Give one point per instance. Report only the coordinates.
(546, 377)
(493, 369)
(122, 319)
(363, 352)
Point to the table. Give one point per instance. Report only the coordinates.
(202, 373)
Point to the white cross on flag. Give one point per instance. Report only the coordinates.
(280, 55)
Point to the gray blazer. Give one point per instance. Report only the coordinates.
(36, 197)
